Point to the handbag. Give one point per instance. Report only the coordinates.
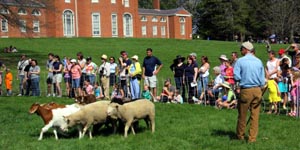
(138, 76)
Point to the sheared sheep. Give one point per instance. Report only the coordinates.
(133, 111)
(93, 113)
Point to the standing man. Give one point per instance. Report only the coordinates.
(124, 62)
(250, 75)
(21, 66)
(104, 72)
(151, 67)
(294, 52)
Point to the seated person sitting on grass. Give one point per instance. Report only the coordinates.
(167, 93)
(228, 98)
(88, 88)
(214, 92)
(117, 93)
(98, 91)
(177, 98)
(146, 94)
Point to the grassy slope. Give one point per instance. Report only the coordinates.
(177, 126)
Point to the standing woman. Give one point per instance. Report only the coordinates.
(229, 73)
(113, 67)
(67, 76)
(190, 76)
(34, 73)
(178, 69)
(135, 72)
(57, 74)
(76, 74)
(203, 75)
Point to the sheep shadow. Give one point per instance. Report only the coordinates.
(223, 133)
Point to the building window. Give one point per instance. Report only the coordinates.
(126, 3)
(163, 30)
(67, 1)
(127, 20)
(68, 23)
(4, 25)
(36, 12)
(144, 18)
(182, 29)
(182, 19)
(144, 30)
(22, 11)
(154, 30)
(114, 25)
(162, 19)
(95, 1)
(4, 11)
(113, 1)
(96, 24)
(22, 24)
(36, 26)
(154, 19)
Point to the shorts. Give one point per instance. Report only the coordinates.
(49, 80)
(150, 81)
(57, 78)
(67, 80)
(76, 83)
(283, 87)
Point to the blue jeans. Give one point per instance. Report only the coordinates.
(21, 89)
(91, 79)
(135, 88)
(202, 84)
(35, 84)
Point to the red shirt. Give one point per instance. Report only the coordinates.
(229, 75)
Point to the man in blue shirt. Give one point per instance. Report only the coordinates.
(151, 67)
(249, 72)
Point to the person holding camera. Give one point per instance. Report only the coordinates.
(125, 62)
(294, 52)
(21, 66)
(104, 72)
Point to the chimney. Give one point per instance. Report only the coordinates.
(156, 4)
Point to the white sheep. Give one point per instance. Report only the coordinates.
(93, 113)
(133, 111)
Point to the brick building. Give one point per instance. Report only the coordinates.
(93, 18)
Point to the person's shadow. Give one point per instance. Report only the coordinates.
(218, 132)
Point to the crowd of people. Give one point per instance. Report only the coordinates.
(191, 77)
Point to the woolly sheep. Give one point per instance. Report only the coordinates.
(133, 111)
(93, 113)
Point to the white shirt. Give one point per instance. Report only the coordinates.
(106, 68)
(271, 66)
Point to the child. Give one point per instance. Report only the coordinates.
(146, 94)
(118, 92)
(8, 81)
(274, 95)
(98, 91)
(177, 98)
(294, 92)
(88, 88)
(228, 99)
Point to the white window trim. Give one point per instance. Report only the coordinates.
(124, 25)
(6, 24)
(181, 20)
(163, 19)
(95, 1)
(33, 24)
(96, 35)
(5, 12)
(182, 31)
(73, 26)
(163, 34)
(126, 3)
(154, 33)
(22, 13)
(144, 19)
(144, 33)
(67, 1)
(113, 1)
(117, 34)
(23, 26)
(38, 14)
(154, 19)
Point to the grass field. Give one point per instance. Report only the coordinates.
(177, 126)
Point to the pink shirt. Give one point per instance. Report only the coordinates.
(89, 89)
(76, 72)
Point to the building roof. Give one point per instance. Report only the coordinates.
(168, 12)
(25, 3)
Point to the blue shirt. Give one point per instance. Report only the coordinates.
(249, 70)
(150, 64)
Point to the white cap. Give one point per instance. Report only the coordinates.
(73, 60)
(104, 56)
(223, 57)
(248, 45)
(135, 57)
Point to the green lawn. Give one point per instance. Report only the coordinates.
(177, 126)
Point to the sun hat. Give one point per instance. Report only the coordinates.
(104, 56)
(193, 54)
(73, 61)
(179, 57)
(248, 45)
(223, 57)
(135, 57)
(281, 51)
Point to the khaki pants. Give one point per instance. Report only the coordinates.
(105, 85)
(250, 99)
